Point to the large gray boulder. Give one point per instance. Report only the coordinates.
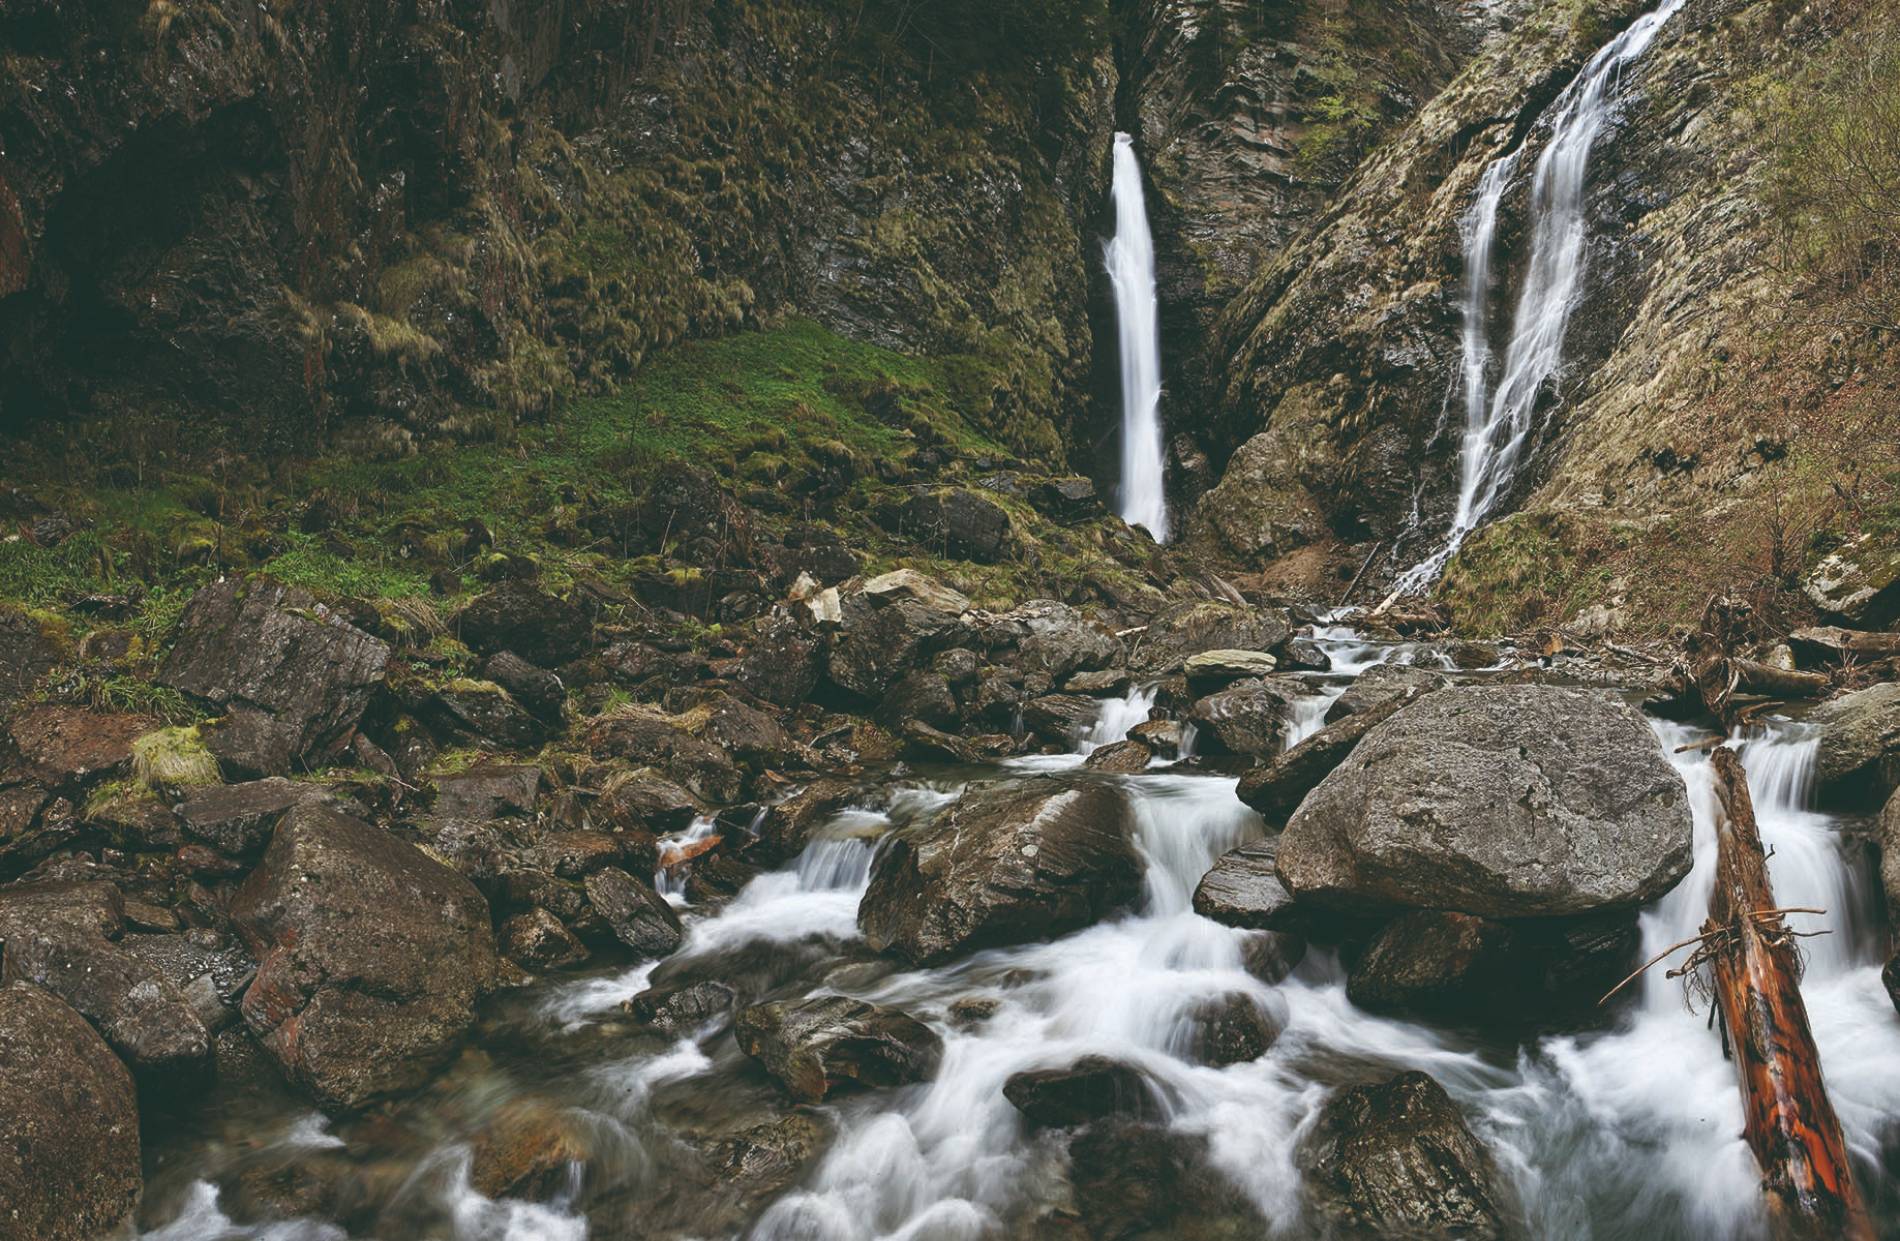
(1397, 1160)
(1505, 801)
(292, 676)
(1008, 863)
(1382, 683)
(69, 1124)
(1857, 762)
(371, 956)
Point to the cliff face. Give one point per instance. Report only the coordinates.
(416, 215)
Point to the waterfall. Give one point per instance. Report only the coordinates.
(1499, 422)
(1130, 257)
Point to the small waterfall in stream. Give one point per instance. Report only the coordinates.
(1130, 257)
(1500, 422)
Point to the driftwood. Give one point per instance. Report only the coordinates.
(1756, 971)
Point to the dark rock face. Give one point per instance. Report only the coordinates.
(1383, 683)
(787, 826)
(1248, 717)
(1060, 718)
(1507, 801)
(1429, 963)
(537, 689)
(292, 677)
(814, 1047)
(69, 748)
(1008, 863)
(1858, 762)
(1277, 787)
(27, 653)
(1244, 889)
(645, 735)
(1397, 1160)
(370, 956)
(69, 1124)
(238, 819)
(639, 916)
(960, 523)
(782, 664)
(1089, 1089)
(884, 633)
(1187, 629)
(482, 713)
(1889, 837)
(526, 621)
(1055, 640)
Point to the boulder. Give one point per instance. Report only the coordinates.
(1060, 718)
(292, 677)
(482, 713)
(645, 799)
(745, 733)
(1859, 583)
(1243, 889)
(1220, 667)
(639, 917)
(238, 819)
(910, 586)
(1248, 717)
(1136, 1178)
(70, 747)
(1397, 1160)
(1888, 834)
(816, 1046)
(371, 956)
(1105, 683)
(683, 1008)
(523, 619)
(1186, 629)
(537, 689)
(1429, 963)
(887, 627)
(786, 826)
(69, 1124)
(1857, 763)
(1890, 979)
(1164, 737)
(1008, 862)
(1276, 787)
(959, 523)
(1504, 801)
(141, 1013)
(1089, 1089)
(1829, 646)
(924, 696)
(1056, 641)
(537, 940)
(1382, 683)
(486, 791)
(1123, 757)
(650, 737)
(781, 663)
(1230, 1029)
(527, 1150)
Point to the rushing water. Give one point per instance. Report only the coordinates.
(1500, 420)
(1130, 256)
(1628, 1129)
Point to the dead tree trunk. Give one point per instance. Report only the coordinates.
(1791, 1125)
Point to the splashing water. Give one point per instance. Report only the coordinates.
(1130, 257)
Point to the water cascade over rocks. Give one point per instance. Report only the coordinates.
(1130, 256)
(1501, 420)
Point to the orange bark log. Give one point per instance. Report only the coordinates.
(1791, 1125)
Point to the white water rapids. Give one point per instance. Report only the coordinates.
(1629, 1130)
(1500, 421)
(1130, 257)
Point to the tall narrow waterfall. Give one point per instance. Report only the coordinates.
(1131, 269)
(1499, 422)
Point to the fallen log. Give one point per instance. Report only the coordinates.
(1790, 1123)
(1760, 678)
(1831, 644)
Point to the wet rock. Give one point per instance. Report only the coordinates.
(1009, 862)
(1397, 1159)
(814, 1047)
(1504, 801)
(1089, 1089)
(684, 1008)
(537, 689)
(292, 677)
(482, 713)
(934, 743)
(746, 733)
(887, 627)
(1136, 1178)
(781, 663)
(371, 956)
(536, 940)
(1305, 655)
(1248, 717)
(648, 736)
(521, 618)
(1055, 640)
(1434, 964)
(1105, 683)
(1383, 683)
(1858, 760)
(786, 827)
(238, 819)
(1060, 718)
(1220, 667)
(1889, 838)
(526, 1151)
(1271, 955)
(1121, 756)
(1187, 629)
(924, 696)
(27, 653)
(1164, 737)
(69, 1124)
(1277, 787)
(643, 798)
(959, 523)
(1890, 979)
(69, 747)
(1859, 583)
(1243, 889)
(1231, 1029)
(639, 916)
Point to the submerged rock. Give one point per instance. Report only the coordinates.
(683, 1008)
(1397, 1160)
(69, 1124)
(814, 1047)
(1505, 801)
(1089, 1089)
(1857, 762)
(1230, 1029)
(1137, 1178)
(371, 956)
(1009, 862)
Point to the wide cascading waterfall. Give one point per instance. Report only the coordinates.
(1499, 421)
(1130, 256)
